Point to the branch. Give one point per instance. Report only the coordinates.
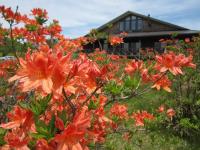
(148, 88)
(11, 36)
(71, 105)
(93, 93)
(134, 93)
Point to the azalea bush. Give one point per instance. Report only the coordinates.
(62, 98)
(187, 95)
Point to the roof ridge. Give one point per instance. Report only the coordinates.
(142, 16)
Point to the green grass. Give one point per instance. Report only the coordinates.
(9, 54)
(156, 139)
(143, 140)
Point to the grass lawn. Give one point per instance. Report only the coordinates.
(158, 139)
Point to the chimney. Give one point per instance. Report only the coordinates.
(149, 22)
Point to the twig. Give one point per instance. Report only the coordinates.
(134, 93)
(148, 88)
(92, 94)
(11, 36)
(71, 105)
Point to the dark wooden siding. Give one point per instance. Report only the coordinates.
(148, 26)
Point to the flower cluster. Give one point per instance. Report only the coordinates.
(173, 63)
(115, 40)
(62, 94)
(140, 117)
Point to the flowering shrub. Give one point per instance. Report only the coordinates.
(115, 40)
(186, 89)
(63, 95)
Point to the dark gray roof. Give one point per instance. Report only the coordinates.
(142, 16)
(161, 33)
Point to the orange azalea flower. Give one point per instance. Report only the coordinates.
(19, 117)
(43, 71)
(163, 82)
(5, 65)
(70, 138)
(54, 29)
(2, 73)
(186, 61)
(115, 40)
(39, 12)
(114, 57)
(102, 100)
(59, 123)
(173, 63)
(170, 113)
(187, 40)
(17, 140)
(119, 111)
(42, 144)
(34, 72)
(161, 109)
(145, 75)
(133, 66)
(10, 15)
(123, 34)
(139, 117)
(161, 40)
(100, 125)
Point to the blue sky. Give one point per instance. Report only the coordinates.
(77, 17)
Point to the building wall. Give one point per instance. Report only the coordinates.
(148, 26)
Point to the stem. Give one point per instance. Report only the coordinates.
(51, 41)
(148, 88)
(100, 46)
(134, 93)
(12, 42)
(71, 105)
(92, 94)
(11, 35)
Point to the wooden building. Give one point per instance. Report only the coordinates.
(143, 32)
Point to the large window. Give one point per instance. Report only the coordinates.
(121, 26)
(127, 23)
(131, 23)
(139, 24)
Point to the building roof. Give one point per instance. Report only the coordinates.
(159, 33)
(142, 16)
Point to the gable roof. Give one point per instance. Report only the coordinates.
(163, 33)
(142, 16)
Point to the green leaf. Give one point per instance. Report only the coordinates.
(2, 134)
(113, 88)
(41, 20)
(37, 135)
(51, 127)
(63, 115)
(185, 122)
(93, 105)
(31, 27)
(45, 131)
(131, 82)
(38, 107)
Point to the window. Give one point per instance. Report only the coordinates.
(121, 26)
(133, 17)
(139, 24)
(127, 25)
(128, 18)
(136, 24)
(131, 23)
